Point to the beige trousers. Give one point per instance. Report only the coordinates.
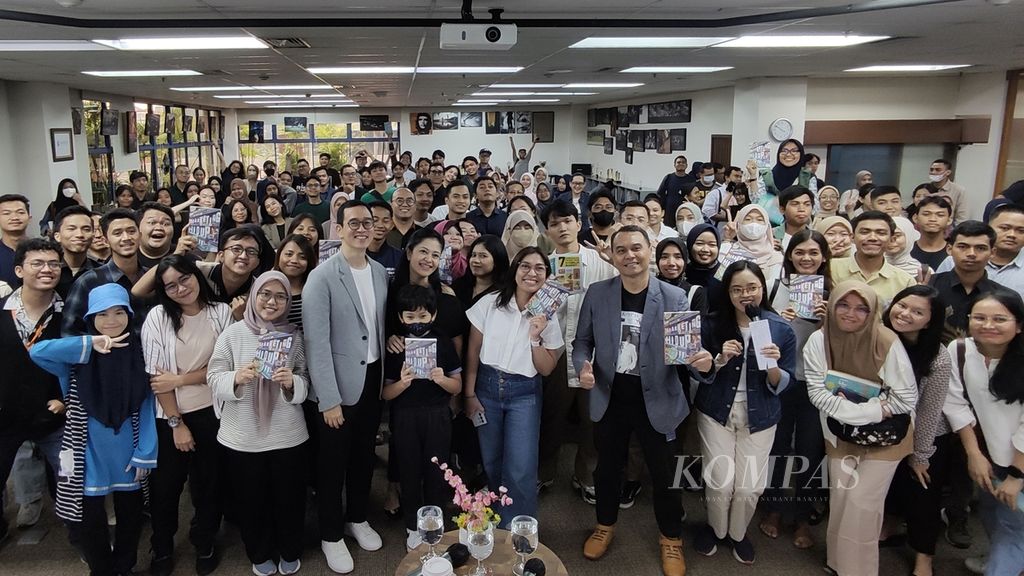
(857, 490)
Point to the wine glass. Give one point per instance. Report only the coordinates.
(430, 525)
(524, 540)
(481, 544)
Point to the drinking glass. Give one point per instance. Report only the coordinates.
(481, 544)
(524, 540)
(430, 525)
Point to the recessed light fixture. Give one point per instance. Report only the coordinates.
(522, 100)
(804, 41)
(909, 68)
(481, 103)
(648, 42)
(186, 43)
(525, 86)
(140, 73)
(362, 70)
(675, 69)
(275, 96)
(48, 46)
(251, 88)
(468, 69)
(604, 85)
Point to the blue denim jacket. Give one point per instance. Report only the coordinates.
(763, 406)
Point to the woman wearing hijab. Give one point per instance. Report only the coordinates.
(520, 231)
(688, 215)
(262, 386)
(755, 236)
(529, 186)
(702, 247)
(828, 203)
(234, 170)
(839, 233)
(670, 258)
(848, 201)
(852, 342)
(788, 171)
(329, 230)
(238, 193)
(900, 245)
(110, 442)
(67, 195)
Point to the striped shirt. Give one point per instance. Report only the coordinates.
(236, 347)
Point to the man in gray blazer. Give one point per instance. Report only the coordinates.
(619, 354)
(343, 319)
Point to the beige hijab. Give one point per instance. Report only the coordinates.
(826, 224)
(861, 353)
(513, 241)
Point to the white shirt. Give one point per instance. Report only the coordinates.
(594, 269)
(506, 331)
(368, 300)
(1002, 423)
(439, 213)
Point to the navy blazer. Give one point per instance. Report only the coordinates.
(715, 398)
(598, 336)
(584, 206)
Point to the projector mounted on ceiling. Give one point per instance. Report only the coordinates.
(470, 36)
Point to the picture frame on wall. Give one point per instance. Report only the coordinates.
(609, 146)
(591, 117)
(187, 123)
(62, 145)
(544, 127)
(471, 119)
(629, 155)
(421, 123)
(171, 124)
(623, 114)
(492, 122)
(674, 112)
(524, 123)
(595, 137)
(256, 131)
(108, 122)
(76, 119)
(152, 124)
(371, 122)
(637, 139)
(131, 132)
(299, 124)
(678, 138)
(650, 139)
(446, 120)
(201, 123)
(663, 141)
(621, 139)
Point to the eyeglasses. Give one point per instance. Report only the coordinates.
(239, 250)
(744, 290)
(37, 265)
(982, 319)
(789, 151)
(437, 171)
(175, 287)
(266, 296)
(526, 268)
(357, 224)
(404, 201)
(844, 308)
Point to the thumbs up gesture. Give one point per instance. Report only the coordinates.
(587, 375)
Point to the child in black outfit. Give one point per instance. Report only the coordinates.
(421, 421)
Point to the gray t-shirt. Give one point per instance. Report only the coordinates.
(522, 166)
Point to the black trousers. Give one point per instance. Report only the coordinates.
(202, 470)
(800, 448)
(562, 405)
(421, 433)
(311, 413)
(627, 414)
(270, 497)
(94, 537)
(347, 458)
(919, 505)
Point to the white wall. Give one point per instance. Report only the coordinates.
(7, 162)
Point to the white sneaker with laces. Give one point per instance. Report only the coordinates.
(366, 536)
(338, 558)
(412, 540)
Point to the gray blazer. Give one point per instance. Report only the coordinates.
(598, 336)
(335, 331)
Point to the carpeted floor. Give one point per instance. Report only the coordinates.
(565, 522)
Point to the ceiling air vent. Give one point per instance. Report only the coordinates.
(286, 42)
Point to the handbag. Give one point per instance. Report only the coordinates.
(889, 432)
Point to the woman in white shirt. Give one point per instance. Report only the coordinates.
(989, 395)
(852, 342)
(178, 337)
(263, 429)
(509, 350)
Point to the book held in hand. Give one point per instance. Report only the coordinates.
(682, 336)
(328, 248)
(855, 389)
(548, 299)
(272, 352)
(567, 269)
(444, 268)
(806, 291)
(735, 253)
(421, 356)
(204, 225)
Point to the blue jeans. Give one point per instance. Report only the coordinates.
(1005, 529)
(17, 459)
(509, 442)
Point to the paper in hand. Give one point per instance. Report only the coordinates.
(760, 337)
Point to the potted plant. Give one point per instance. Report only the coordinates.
(474, 506)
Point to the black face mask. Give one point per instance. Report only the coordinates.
(603, 218)
(418, 329)
(269, 171)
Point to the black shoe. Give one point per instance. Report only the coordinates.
(162, 566)
(587, 493)
(208, 562)
(743, 551)
(957, 533)
(705, 542)
(630, 490)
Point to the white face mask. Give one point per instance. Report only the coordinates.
(684, 227)
(707, 180)
(69, 192)
(753, 230)
(936, 177)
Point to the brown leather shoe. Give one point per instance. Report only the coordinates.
(672, 562)
(598, 542)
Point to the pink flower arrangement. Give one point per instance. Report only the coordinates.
(475, 506)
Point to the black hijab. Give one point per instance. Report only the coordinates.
(61, 201)
(784, 176)
(696, 273)
(660, 249)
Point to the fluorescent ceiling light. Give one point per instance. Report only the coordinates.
(481, 103)
(534, 100)
(807, 41)
(251, 88)
(362, 70)
(186, 43)
(647, 42)
(525, 86)
(564, 93)
(487, 94)
(675, 69)
(313, 106)
(48, 45)
(503, 94)
(276, 96)
(604, 85)
(468, 69)
(909, 68)
(312, 102)
(140, 73)
(465, 101)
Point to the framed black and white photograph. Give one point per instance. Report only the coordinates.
(544, 127)
(201, 123)
(171, 126)
(508, 123)
(678, 137)
(650, 139)
(187, 122)
(76, 120)
(675, 112)
(256, 131)
(591, 117)
(446, 120)
(108, 122)
(131, 132)
(621, 139)
(297, 124)
(603, 116)
(623, 114)
(471, 119)
(595, 137)
(524, 123)
(663, 142)
(609, 146)
(373, 122)
(62, 145)
(637, 138)
(152, 124)
(492, 122)
(629, 155)
(421, 123)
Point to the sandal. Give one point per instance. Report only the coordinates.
(769, 525)
(802, 538)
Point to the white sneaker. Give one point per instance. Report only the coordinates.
(338, 557)
(28, 514)
(366, 536)
(976, 564)
(412, 540)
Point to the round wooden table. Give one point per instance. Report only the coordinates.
(501, 560)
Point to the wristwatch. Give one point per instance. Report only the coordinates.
(173, 421)
(1014, 472)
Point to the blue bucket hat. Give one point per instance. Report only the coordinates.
(106, 296)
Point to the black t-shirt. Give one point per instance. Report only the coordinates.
(627, 369)
(423, 391)
(933, 259)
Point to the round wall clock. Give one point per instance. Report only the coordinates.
(781, 129)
